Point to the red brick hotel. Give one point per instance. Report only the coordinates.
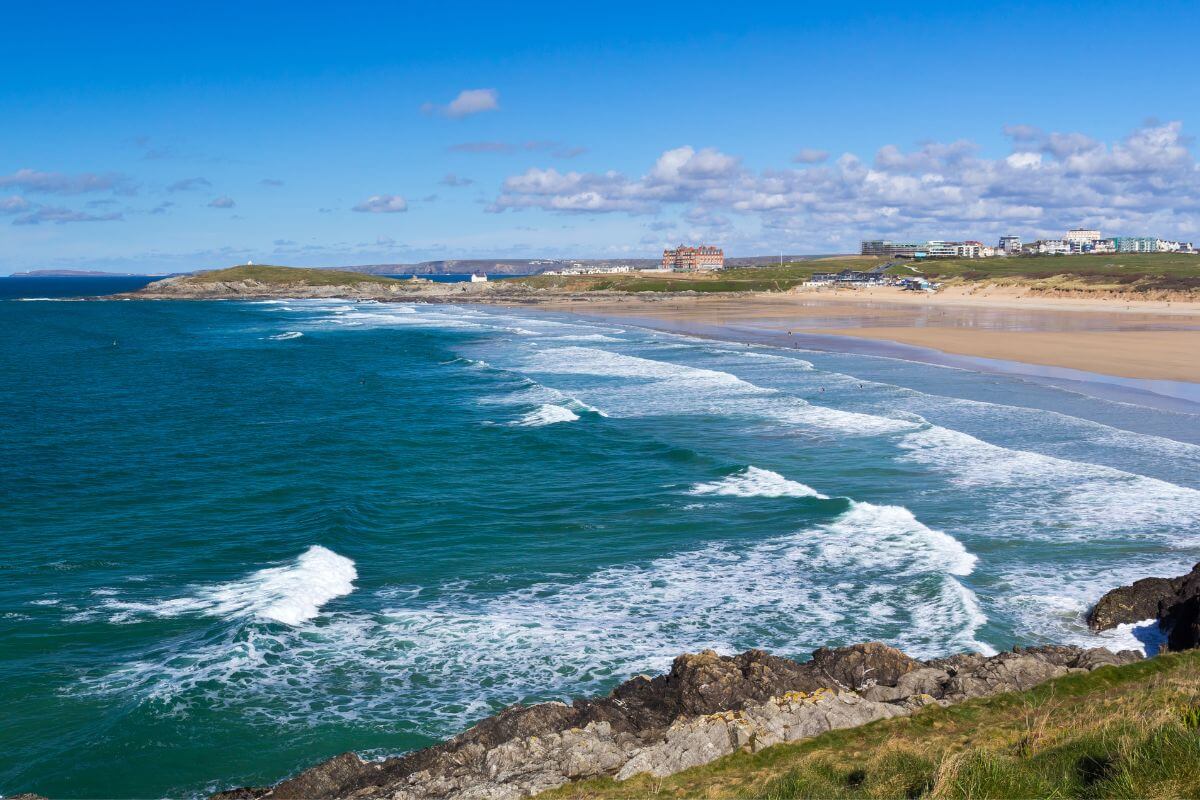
(693, 258)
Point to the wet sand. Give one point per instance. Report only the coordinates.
(1151, 346)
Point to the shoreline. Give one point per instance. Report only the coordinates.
(1149, 350)
(1106, 344)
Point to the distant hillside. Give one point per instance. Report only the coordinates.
(71, 273)
(508, 266)
(268, 274)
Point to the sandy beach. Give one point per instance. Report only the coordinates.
(1156, 339)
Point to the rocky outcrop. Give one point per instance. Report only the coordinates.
(1174, 602)
(706, 707)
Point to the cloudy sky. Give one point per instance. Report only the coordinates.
(141, 137)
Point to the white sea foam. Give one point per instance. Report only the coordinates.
(445, 657)
(292, 593)
(663, 387)
(280, 337)
(546, 415)
(586, 337)
(1076, 498)
(534, 393)
(756, 482)
(1045, 604)
(891, 538)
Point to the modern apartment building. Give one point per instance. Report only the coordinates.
(1135, 244)
(1010, 245)
(686, 259)
(883, 247)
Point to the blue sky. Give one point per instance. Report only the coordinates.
(146, 137)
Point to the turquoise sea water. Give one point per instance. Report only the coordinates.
(239, 537)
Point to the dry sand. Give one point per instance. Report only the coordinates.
(1119, 336)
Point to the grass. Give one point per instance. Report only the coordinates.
(1117, 732)
(288, 276)
(1138, 272)
(775, 278)
(1126, 272)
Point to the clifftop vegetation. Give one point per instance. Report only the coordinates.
(287, 276)
(1119, 731)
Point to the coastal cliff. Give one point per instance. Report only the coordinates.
(706, 707)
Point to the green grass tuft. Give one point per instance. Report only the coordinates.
(287, 276)
(1117, 732)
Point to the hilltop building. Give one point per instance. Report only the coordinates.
(883, 247)
(1081, 235)
(1077, 241)
(687, 259)
(1135, 244)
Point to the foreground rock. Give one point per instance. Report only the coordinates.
(1174, 602)
(706, 707)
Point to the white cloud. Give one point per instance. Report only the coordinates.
(63, 216)
(35, 181)
(383, 204)
(678, 175)
(13, 205)
(468, 102)
(222, 202)
(810, 155)
(1148, 182)
(188, 184)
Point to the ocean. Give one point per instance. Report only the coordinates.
(242, 537)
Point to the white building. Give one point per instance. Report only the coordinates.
(940, 249)
(1009, 245)
(1081, 235)
(1052, 247)
(969, 250)
(1104, 246)
(477, 277)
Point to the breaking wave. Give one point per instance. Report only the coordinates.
(1075, 499)
(441, 658)
(546, 415)
(755, 482)
(662, 387)
(292, 593)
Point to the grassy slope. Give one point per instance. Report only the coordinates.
(288, 276)
(1119, 272)
(1123, 272)
(1131, 731)
(737, 279)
